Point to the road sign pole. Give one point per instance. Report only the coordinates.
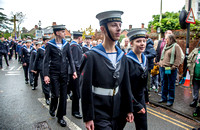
(187, 43)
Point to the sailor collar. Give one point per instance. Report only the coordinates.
(133, 57)
(53, 43)
(88, 47)
(42, 47)
(101, 50)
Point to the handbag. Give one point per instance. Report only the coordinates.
(167, 70)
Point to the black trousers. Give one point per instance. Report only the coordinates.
(75, 87)
(26, 70)
(31, 77)
(45, 87)
(58, 90)
(1, 59)
(35, 79)
(101, 124)
(11, 54)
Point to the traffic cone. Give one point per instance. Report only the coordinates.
(187, 80)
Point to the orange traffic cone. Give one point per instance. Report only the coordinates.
(187, 80)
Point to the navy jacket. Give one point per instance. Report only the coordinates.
(150, 53)
(55, 60)
(4, 47)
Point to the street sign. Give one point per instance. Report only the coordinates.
(39, 33)
(190, 17)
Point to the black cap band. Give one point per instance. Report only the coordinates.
(110, 20)
(137, 36)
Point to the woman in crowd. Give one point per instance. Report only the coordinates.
(169, 62)
(125, 45)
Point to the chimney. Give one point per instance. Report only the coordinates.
(54, 23)
(36, 27)
(130, 27)
(142, 25)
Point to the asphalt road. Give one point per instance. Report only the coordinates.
(22, 108)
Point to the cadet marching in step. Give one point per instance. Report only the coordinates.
(102, 77)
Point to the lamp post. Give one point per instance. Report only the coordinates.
(39, 25)
(159, 35)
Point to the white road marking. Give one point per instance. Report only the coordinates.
(71, 125)
(19, 68)
(11, 74)
(12, 68)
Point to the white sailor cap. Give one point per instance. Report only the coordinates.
(28, 41)
(136, 33)
(58, 27)
(40, 42)
(109, 16)
(45, 37)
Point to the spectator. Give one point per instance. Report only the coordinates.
(150, 53)
(159, 49)
(169, 62)
(125, 45)
(194, 70)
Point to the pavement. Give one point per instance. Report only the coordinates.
(183, 98)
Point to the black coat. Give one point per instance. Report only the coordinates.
(56, 60)
(37, 66)
(98, 71)
(138, 79)
(25, 55)
(4, 47)
(76, 54)
(32, 59)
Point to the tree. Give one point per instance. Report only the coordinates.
(4, 21)
(170, 21)
(87, 31)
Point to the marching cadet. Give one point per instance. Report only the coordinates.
(55, 67)
(38, 68)
(138, 71)
(87, 46)
(105, 80)
(31, 66)
(32, 58)
(74, 84)
(25, 55)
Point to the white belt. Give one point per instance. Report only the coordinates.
(105, 91)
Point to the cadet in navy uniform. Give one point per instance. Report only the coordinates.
(105, 87)
(138, 71)
(25, 55)
(37, 66)
(31, 66)
(74, 84)
(55, 67)
(87, 46)
(4, 49)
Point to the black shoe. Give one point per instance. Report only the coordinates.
(26, 82)
(33, 88)
(196, 113)
(169, 104)
(193, 103)
(78, 116)
(47, 101)
(62, 122)
(161, 101)
(52, 113)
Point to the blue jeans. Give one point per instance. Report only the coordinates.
(168, 85)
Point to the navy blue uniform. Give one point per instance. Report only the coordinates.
(4, 49)
(26, 53)
(138, 78)
(37, 66)
(56, 67)
(75, 84)
(105, 88)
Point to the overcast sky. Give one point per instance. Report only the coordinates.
(77, 14)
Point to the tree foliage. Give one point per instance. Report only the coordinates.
(87, 31)
(170, 21)
(4, 21)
